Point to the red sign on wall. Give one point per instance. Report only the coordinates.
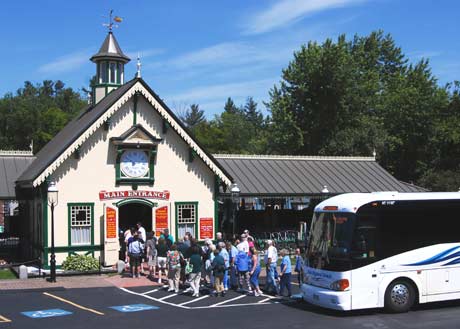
(161, 219)
(110, 223)
(206, 228)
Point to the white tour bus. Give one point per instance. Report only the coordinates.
(383, 249)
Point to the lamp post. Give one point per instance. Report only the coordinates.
(235, 191)
(52, 201)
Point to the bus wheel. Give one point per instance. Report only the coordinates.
(399, 296)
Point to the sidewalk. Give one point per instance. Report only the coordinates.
(83, 281)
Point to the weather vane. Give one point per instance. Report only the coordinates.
(110, 25)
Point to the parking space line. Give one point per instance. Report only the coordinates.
(169, 296)
(263, 300)
(73, 304)
(194, 300)
(150, 291)
(228, 300)
(3, 319)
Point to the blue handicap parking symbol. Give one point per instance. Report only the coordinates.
(134, 308)
(46, 313)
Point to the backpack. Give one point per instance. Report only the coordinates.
(242, 262)
(174, 259)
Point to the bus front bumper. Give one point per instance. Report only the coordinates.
(337, 300)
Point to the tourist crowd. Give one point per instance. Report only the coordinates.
(222, 265)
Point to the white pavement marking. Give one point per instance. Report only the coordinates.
(154, 299)
(150, 291)
(228, 300)
(169, 296)
(194, 300)
(263, 300)
(231, 305)
(218, 305)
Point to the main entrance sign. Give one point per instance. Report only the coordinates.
(159, 195)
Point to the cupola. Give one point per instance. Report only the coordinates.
(110, 61)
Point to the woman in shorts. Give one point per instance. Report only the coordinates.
(151, 254)
(162, 251)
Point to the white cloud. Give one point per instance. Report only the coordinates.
(211, 92)
(286, 12)
(146, 53)
(419, 54)
(212, 98)
(67, 63)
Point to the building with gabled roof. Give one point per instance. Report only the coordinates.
(126, 158)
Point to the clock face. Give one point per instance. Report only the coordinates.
(134, 163)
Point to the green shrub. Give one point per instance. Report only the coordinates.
(80, 263)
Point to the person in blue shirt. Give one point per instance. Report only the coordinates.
(224, 253)
(285, 272)
(232, 277)
(298, 264)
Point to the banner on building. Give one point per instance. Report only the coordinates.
(161, 219)
(111, 223)
(206, 228)
(159, 195)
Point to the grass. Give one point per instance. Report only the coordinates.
(7, 274)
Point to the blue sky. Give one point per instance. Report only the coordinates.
(205, 51)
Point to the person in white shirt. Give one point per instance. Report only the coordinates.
(243, 245)
(140, 229)
(143, 238)
(271, 259)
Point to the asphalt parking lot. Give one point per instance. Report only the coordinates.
(147, 306)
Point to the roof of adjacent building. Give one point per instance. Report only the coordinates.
(110, 49)
(51, 155)
(309, 175)
(12, 164)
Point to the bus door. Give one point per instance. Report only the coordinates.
(365, 274)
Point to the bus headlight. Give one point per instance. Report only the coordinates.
(340, 285)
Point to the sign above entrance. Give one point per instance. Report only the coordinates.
(159, 195)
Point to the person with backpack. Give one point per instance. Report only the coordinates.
(174, 257)
(242, 266)
(135, 248)
(218, 269)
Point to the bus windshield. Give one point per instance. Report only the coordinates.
(330, 240)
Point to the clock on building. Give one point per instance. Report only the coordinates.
(134, 163)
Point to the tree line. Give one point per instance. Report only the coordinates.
(346, 97)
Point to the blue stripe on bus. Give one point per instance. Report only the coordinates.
(442, 256)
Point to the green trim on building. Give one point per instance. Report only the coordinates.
(165, 126)
(148, 179)
(196, 217)
(69, 221)
(216, 204)
(142, 201)
(44, 191)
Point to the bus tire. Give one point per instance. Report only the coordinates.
(399, 296)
